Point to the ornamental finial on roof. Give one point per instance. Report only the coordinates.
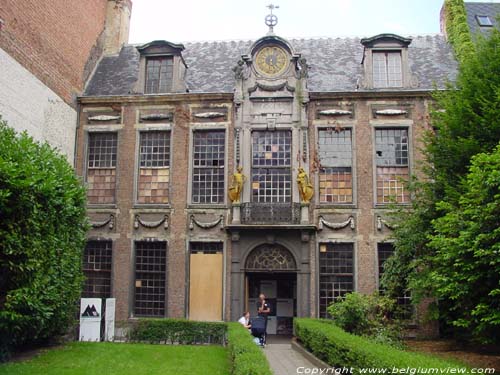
(271, 19)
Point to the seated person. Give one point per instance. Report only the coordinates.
(245, 320)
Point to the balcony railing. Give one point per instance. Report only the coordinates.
(270, 213)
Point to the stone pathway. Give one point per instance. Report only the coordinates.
(284, 360)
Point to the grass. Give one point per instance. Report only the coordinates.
(81, 358)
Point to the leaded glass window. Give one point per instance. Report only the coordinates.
(392, 160)
(271, 166)
(150, 278)
(205, 247)
(159, 73)
(336, 273)
(101, 167)
(387, 69)
(335, 175)
(208, 166)
(154, 167)
(97, 257)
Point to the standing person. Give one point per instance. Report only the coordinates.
(263, 308)
(245, 320)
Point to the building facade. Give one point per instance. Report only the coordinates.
(220, 170)
(47, 53)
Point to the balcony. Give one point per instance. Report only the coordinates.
(270, 213)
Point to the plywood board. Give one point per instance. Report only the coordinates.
(205, 287)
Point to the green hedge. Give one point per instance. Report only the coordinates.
(178, 331)
(341, 349)
(458, 30)
(247, 358)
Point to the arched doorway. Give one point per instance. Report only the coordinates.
(271, 269)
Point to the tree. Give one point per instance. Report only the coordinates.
(465, 267)
(466, 122)
(42, 234)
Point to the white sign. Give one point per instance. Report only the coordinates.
(109, 330)
(90, 319)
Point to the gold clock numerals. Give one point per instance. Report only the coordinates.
(271, 60)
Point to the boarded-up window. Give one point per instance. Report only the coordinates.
(271, 162)
(150, 278)
(208, 166)
(385, 251)
(387, 70)
(159, 73)
(391, 148)
(335, 175)
(97, 269)
(154, 167)
(336, 273)
(101, 168)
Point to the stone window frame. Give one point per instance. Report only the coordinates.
(109, 272)
(198, 239)
(132, 303)
(144, 128)
(355, 273)
(207, 127)
(403, 124)
(354, 203)
(93, 129)
(386, 43)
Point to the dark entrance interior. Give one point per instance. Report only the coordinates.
(280, 289)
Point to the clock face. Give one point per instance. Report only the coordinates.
(271, 60)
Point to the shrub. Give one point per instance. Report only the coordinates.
(178, 331)
(42, 234)
(247, 358)
(344, 350)
(368, 315)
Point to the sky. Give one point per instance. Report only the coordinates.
(199, 20)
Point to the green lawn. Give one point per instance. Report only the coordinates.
(123, 359)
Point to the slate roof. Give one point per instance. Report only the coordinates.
(335, 65)
(481, 9)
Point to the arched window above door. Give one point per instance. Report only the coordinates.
(270, 258)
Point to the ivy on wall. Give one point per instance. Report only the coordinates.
(457, 29)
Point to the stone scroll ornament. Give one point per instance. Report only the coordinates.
(331, 225)
(150, 224)
(103, 118)
(110, 222)
(206, 225)
(209, 115)
(381, 222)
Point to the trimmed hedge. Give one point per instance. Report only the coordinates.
(246, 357)
(178, 331)
(341, 349)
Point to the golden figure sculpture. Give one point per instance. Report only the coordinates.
(236, 185)
(306, 189)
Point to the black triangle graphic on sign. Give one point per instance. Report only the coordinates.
(90, 312)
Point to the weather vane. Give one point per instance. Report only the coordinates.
(271, 19)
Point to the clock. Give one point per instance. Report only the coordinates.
(271, 60)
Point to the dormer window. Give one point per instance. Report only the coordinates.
(162, 68)
(484, 21)
(159, 75)
(385, 61)
(387, 70)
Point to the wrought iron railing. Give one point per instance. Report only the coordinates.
(270, 213)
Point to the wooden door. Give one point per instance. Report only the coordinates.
(205, 286)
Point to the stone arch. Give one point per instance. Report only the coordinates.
(270, 257)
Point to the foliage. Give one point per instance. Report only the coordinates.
(466, 123)
(344, 350)
(124, 359)
(466, 265)
(367, 315)
(178, 331)
(247, 358)
(42, 234)
(457, 29)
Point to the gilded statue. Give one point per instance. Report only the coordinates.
(236, 187)
(306, 189)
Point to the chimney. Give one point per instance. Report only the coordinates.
(117, 25)
(443, 20)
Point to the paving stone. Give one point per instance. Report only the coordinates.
(284, 360)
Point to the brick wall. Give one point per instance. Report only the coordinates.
(57, 41)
